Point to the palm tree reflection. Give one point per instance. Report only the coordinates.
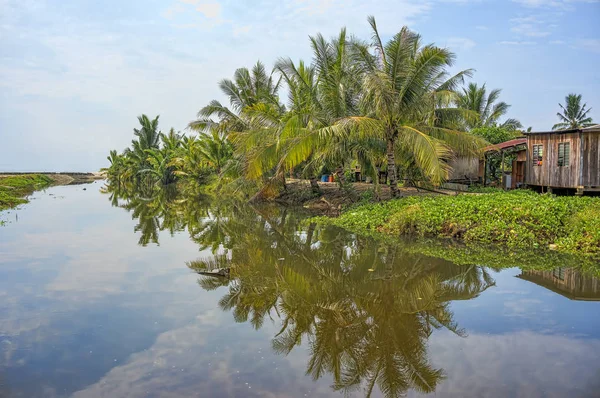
(365, 309)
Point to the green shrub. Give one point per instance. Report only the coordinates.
(514, 219)
(583, 231)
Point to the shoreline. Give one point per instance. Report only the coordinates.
(15, 187)
(59, 178)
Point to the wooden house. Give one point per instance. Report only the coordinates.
(565, 159)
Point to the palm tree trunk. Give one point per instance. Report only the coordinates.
(339, 172)
(314, 185)
(391, 166)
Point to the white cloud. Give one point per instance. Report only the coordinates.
(563, 4)
(557, 42)
(460, 43)
(210, 10)
(530, 26)
(529, 30)
(530, 365)
(517, 43)
(313, 7)
(592, 45)
(481, 27)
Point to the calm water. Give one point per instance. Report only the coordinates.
(99, 297)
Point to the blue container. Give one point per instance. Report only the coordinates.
(324, 178)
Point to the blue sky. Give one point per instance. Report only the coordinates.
(75, 74)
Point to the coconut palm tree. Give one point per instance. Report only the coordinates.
(171, 141)
(160, 167)
(573, 115)
(215, 148)
(406, 87)
(148, 135)
(248, 88)
(484, 109)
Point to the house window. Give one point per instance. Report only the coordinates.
(564, 151)
(538, 155)
(559, 273)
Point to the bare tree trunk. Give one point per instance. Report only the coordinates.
(314, 185)
(391, 166)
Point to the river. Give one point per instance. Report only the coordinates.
(100, 296)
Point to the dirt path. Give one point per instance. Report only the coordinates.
(333, 198)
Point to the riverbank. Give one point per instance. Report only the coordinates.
(516, 219)
(16, 186)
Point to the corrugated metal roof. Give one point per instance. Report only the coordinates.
(593, 129)
(506, 144)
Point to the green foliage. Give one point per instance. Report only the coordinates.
(514, 219)
(495, 135)
(483, 110)
(482, 189)
(163, 159)
(14, 188)
(392, 106)
(583, 231)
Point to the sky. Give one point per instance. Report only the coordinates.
(75, 74)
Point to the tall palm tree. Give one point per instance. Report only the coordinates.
(406, 87)
(319, 95)
(171, 141)
(247, 89)
(148, 135)
(573, 115)
(484, 109)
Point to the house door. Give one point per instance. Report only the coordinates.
(518, 174)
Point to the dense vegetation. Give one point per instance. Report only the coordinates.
(514, 219)
(14, 189)
(393, 109)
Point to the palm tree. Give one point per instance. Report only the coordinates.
(160, 167)
(573, 115)
(215, 148)
(406, 87)
(247, 89)
(148, 135)
(484, 109)
(171, 141)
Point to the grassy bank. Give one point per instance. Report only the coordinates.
(516, 219)
(14, 189)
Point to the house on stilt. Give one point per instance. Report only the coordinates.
(564, 159)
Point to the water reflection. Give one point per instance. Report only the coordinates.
(357, 315)
(568, 282)
(365, 309)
